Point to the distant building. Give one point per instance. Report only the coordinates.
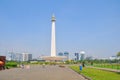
(89, 58)
(82, 55)
(60, 54)
(14, 56)
(77, 57)
(113, 57)
(67, 55)
(26, 57)
(20, 56)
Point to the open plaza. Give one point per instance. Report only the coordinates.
(38, 72)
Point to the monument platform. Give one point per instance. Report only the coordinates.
(54, 58)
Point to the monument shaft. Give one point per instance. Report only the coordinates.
(53, 41)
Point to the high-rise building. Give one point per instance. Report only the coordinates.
(77, 57)
(20, 56)
(82, 55)
(26, 57)
(14, 56)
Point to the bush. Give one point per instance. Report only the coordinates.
(11, 64)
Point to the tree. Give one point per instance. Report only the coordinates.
(118, 54)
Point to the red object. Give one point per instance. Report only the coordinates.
(2, 62)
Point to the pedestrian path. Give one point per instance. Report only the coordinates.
(40, 73)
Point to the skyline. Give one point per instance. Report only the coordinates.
(90, 26)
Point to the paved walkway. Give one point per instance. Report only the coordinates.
(40, 73)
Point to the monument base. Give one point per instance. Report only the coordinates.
(53, 58)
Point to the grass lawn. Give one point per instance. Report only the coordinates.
(111, 66)
(96, 74)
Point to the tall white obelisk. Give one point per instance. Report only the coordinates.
(53, 41)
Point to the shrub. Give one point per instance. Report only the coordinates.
(11, 64)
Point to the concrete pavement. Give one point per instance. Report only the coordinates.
(37, 72)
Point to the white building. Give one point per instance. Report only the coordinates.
(20, 56)
(14, 56)
(114, 57)
(82, 55)
(26, 56)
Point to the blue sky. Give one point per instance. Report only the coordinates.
(89, 25)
